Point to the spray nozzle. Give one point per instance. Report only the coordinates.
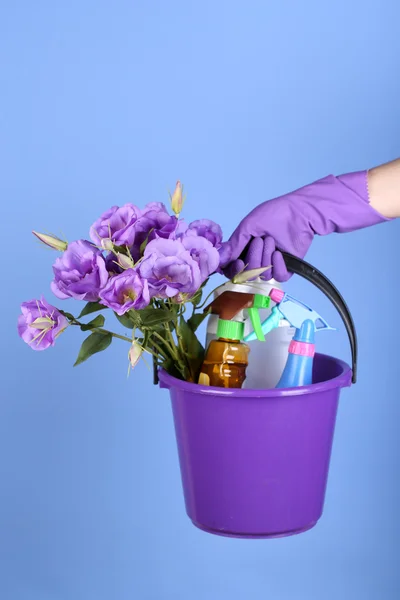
(292, 310)
(229, 304)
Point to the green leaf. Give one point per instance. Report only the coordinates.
(91, 307)
(130, 319)
(125, 320)
(154, 316)
(122, 249)
(144, 244)
(191, 344)
(194, 351)
(196, 320)
(96, 342)
(96, 322)
(196, 299)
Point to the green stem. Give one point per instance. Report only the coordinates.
(171, 337)
(171, 347)
(115, 335)
(103, 331)
(150, 351)
(159, 349)
(209, 296)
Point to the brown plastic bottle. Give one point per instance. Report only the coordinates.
(226, 358)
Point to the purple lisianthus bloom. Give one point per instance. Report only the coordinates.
(156, 215)
(204, 253)
(80, 272)
(125, 291)
(116, 224)
(169, 269)
(40, 324)
(153, 217)
(206, 229)
(171, 230)
(156, 221)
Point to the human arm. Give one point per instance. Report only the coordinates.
(332, 204)
(384, 189)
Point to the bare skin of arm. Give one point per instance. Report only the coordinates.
(384, 188)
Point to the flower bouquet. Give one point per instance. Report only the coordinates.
(150, 268)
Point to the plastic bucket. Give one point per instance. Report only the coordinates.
(255, 463)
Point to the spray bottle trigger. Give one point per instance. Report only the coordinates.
(273, 320)
(260, 301)
(270, 323)
(321, 324)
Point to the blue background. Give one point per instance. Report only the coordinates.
(109, 102)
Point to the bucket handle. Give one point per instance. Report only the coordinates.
(297, 266)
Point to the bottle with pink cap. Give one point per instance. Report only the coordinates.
(298, 368)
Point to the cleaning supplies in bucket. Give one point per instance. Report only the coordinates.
(226, 358)
(298, 369)
(268, 357)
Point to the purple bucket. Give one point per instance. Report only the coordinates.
(255, 463)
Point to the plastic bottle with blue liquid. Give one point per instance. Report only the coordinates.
(306, 321)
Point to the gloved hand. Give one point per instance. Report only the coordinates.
(289, 223)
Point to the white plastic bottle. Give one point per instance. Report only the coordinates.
(267, 359)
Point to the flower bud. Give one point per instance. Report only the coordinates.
(125, 262)
(134, 354)
(51, 241)
(177, 199)
(107, 244)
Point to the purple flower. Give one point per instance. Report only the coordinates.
(125, 291)
(79, 273)
(169, 269)
(40, 324)
(156, 220)
(156, 214)
(204, 253)
(117, 224)
(206, 229)
(171, 230)
(152, 219)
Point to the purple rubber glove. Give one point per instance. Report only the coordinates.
(289, 223)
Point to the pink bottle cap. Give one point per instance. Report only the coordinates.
(276, 295)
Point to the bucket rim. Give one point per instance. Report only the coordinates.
(340, 381)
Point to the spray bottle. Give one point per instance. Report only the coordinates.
(226, 359)
(298, 369)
